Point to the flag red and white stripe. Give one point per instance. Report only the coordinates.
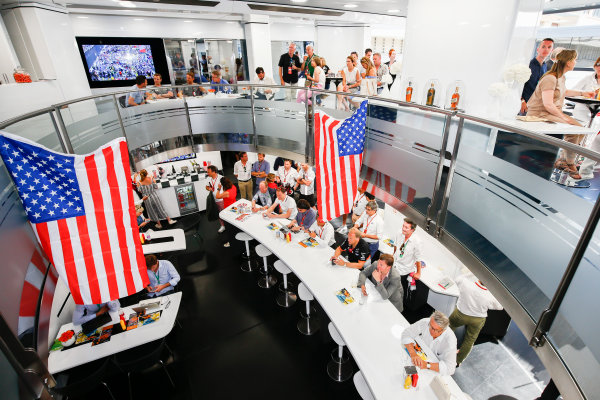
(393, 187)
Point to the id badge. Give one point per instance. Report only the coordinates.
(289, 70)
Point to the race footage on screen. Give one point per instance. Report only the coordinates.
(118, 62)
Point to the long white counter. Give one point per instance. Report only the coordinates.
(371, 331)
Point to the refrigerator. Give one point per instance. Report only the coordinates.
(186, 198)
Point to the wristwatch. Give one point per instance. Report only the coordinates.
(428, 366)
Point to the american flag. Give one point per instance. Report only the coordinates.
(339, 146)
(82, 211)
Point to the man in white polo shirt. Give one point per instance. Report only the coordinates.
(407, 256)
(213, 184)
(286, 203)
(358, 207)
(306, 177)
(287, 175)
(371, 226)
(243, 172)
(323, 232)
(471, 311)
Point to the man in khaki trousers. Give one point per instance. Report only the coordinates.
(243, 172)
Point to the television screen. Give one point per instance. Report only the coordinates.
(114, 62)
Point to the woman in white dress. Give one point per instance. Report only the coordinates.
(350, 83)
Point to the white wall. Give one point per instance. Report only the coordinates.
(8, 60)
(258, 45)
(292, 30)
(335, 43)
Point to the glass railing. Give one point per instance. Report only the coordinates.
(485, 189)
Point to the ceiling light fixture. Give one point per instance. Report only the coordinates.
(350, 5)
(82, 17)
(138, 19)
(393, 11)
(299, 1)
(127, 4)
(187, 20)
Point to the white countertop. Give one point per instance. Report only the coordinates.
(547, 128)
(371, 331)
(177, 244)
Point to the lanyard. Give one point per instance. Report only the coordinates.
(479, 286)
(214, 181)
(369, 222)
(302, 220)
(156, 275)
(403, 247)
(359, 199)
(285, 174)
(321, 233)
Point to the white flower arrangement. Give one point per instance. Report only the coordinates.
(519, 73)
(387, 78)
(498, 89)
(396, 68)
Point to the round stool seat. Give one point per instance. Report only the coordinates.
(361, 386)
(243, 236)
(262, 251)
(335, 335)
(281, 267)
(304, 293)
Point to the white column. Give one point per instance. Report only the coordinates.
(258, 44)
(468, 40)
(335, 43)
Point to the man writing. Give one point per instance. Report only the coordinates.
(85, 313)
(385, 278)
(262, 199)
(538, 68)
(322, 231)
(305, 218)
(260, 169)
(242, 172)
(289, 65)
(286, 203)
(355, 248)
(138, 97)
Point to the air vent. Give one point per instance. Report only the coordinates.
(264, 7)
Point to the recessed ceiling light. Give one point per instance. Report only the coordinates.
(231, 22)
(138, 19)
(191, 41)
(299, 1)
(82, 17)
(127, 4)
(187, 20)
(393, 11)
(230, 41)
(350, 5)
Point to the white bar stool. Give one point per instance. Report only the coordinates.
(267, 280)
(308, 324)
(246, 256)
(361, 387)
(286, 298)
(339, 368)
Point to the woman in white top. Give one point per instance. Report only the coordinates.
(350, 83)
(318, 81)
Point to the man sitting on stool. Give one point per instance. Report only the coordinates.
(371, 226)
(355, 249)
(322, 231)
(85, 313)
(435, 335)
(287, 205)
(385, 278)
(262, 199)
(163, 276)
(305, 218)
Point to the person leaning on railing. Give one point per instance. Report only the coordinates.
(547, 102)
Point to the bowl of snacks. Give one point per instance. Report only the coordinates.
(67, 338)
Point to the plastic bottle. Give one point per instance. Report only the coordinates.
(407, 382)
(415, 378)
(122, 321)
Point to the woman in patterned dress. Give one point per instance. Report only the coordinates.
(154, 206)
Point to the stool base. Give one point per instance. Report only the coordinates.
(308, 326)
(267, 281)
(248, 265)
(339, 369)
(286, 299)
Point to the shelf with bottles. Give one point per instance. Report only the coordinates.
(409, 90)
(432, 93)
(455, 96)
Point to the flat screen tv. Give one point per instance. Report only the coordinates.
(116, 61)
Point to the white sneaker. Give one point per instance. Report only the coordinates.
(343, 229)
(226, 244)
(221, 229)
(171, 222)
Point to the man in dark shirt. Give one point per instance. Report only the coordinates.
(289, 65)
(538, 68)
(355, 249)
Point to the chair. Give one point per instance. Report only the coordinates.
(361, 387)
(246, 256)
(83, 379)
(308, 324)
(122, 101)
(286, 298)
(267, 280)
(140, 359)
(339, 368)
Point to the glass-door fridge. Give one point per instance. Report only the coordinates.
(186, 198)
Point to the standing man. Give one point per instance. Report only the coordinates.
(407, 253)
(471, 310)
(305, 180)
(242, 172)
(307, 68)
(287, 175)
(213, 184)
(538, 68)
(382, 70)
(138, 97)
(371, 225)
(289, 65)
(260, 169)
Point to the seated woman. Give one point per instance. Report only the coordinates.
(317, 79)
(350, 83)
(85, 313)
(228, 192)
(369, 77)
(548, 100)
(141, 220)
(162, 275)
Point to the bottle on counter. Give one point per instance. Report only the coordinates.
(409, 92)
(430, 95)
(454, 100)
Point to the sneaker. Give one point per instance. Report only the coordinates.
(158, 226)
(171, 222)
(343, 229)
(221, 229)
(226, 244)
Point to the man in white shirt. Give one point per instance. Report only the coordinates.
(286, 203)
(287, 175)
(262, 92)
(243, 172)
(358, 207)
(433, 332)
(407, 257)
(371, 226)
(213, 184)
(306, 177)
(262, 199)
(322, 231)
(471, 310)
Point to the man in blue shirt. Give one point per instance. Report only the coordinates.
(85, 313)
(538, 68)
(138, 97)
(305, 218)
(162, 275)
(216, 83)
(260, 169)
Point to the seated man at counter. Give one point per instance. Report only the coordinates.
(371, 225)
(157, 91)
(322, 231)
(193, 90)
(138, 97)
(262, 92)
(385, 278)
(355, 249)
(162, 275)
(260, 169)
(286, 203)
(85, 313)
(216, 83)
(262, 199)
(305, 218)
(435, 334)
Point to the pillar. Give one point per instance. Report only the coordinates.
(258, 44)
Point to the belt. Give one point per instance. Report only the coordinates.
(247, 180)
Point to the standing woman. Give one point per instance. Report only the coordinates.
(547, 102)
(228, 193)
(154, 206)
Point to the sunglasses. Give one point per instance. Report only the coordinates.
(597, 65)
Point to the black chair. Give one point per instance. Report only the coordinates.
(122, 101)
(83, 379)
(142, 358)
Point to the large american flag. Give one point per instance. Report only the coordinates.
(82, 211)
(339, 146)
